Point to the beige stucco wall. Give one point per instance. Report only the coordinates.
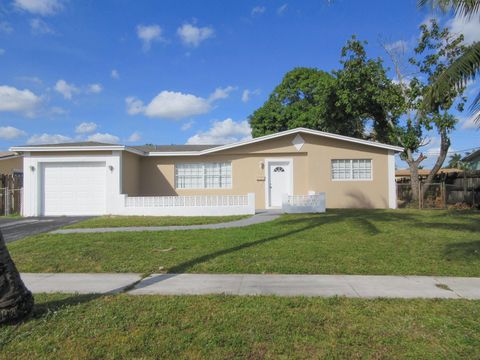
(311, 169)
(7, 166)
(130, 174)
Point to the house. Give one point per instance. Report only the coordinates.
(473, 160)
(10, 163)
(92, 178)
(403, 175)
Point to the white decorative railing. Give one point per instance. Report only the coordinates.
(311, 203)
(204, 205)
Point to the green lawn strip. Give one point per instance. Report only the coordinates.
(224, 327)
(121, 221)
(406, 242)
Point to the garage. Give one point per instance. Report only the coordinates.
(73, 188)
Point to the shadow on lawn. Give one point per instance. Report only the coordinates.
(463, 251)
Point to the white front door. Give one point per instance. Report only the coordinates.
(73, 188)
(278, 182)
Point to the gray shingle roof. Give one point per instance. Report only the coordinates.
(170, 148)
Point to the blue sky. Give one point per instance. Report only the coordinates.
(166, 72)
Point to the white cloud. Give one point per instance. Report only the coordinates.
(40, 27)
(193, 36)
(56, 110)
(66, 89)
(223, 132)
(40, 7)
(48, 139)
(176, 105)
(258, 10)
(114, 74)
(469, 123)
(187, 126)
(15, 100)
(282, 9)
(134, 137)
(221, 93)
(149, 34)
(31, 79)
(247, 94)
(2, 51)
(5, 27)
(470, 28)
(10, 133)
(94, 88)
(134, 106)
(399, 46)
(104, 138)
(86, 128)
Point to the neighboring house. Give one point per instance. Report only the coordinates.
(10, 163)
(404, 174)
(473, 160)
(94, 178)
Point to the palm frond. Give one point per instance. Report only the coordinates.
(457, 76)
(464, 8)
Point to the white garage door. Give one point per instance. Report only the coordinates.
(73, 188)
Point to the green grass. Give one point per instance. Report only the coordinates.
(120, 221)
(338, 242)
(228, 327)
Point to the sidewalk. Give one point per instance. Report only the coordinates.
(255, 219)
(355, 286)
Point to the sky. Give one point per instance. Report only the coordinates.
(176, 72)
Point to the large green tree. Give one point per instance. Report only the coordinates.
(341, 102)
(298, 101)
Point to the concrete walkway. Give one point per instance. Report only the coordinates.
(355, 286)
(255, 219)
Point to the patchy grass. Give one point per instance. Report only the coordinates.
(121, 221)
(227, 327)
(337, 242)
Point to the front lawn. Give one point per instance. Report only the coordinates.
(337, 242)
(227, 327)
(121, 221)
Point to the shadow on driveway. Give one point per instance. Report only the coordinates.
(17, 228)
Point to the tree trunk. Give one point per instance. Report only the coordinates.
(444, 146)
(16, 301)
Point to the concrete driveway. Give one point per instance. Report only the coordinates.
(18, 228)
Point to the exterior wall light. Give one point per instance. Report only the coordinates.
(110, 167)
(32, 168)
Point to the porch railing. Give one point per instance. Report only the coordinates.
(194, 205)
(311, 203)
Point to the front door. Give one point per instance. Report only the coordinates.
(278, 182)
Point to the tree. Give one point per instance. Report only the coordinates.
(455, 161)
(16, 301)
(467, 66)
(340, 103)
(364, 92)
(298, 101)
(437, 49)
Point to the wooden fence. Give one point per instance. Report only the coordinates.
(455, 189)
(11, 190)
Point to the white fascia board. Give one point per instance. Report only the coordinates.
(273, 136)
(75, 148)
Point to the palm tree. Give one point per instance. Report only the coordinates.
(467, 66)
(16, 301)
(455, 161)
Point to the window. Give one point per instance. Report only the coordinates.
(352, 169)
(203, 176)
